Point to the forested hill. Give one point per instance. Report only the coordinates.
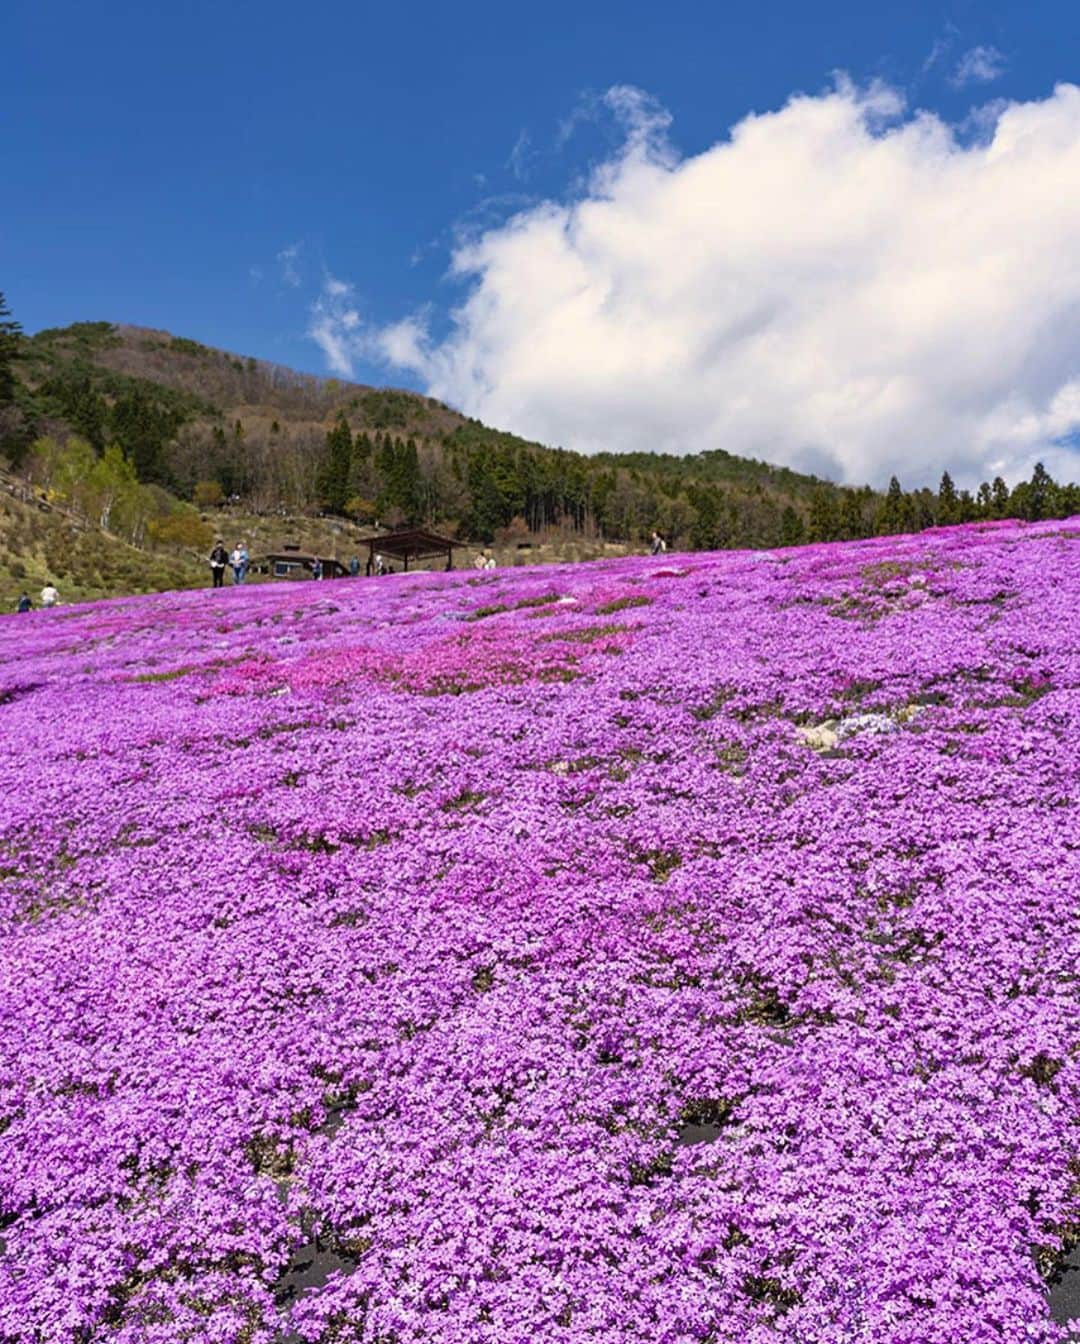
(200, 425)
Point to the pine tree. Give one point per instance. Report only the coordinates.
(792, 532)
(11, 338)
(851, 517)
(999, 494)
(1040, 494)
(984, 501)
(947, 504)
(824, 516)
(891, 518)
(334, 475)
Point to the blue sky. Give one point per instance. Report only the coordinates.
(207, 168)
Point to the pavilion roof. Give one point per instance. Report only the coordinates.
(412, 543)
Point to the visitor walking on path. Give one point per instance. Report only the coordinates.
(49, 596)
(219, 558)
(24, 603)
(659, 545)
(316, 568)
(239, 561)
(354, 566)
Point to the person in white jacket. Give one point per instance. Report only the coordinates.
(49, 596)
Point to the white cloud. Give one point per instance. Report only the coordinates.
(287, 260)
(521, 156)
(335, 326)
(943, 44)
(980, 65)
(838, 286)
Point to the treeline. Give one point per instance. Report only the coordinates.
(487, 488)
(150, 405)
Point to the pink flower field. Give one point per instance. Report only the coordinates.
(677, 953)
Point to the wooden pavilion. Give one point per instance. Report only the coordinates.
(415, 543)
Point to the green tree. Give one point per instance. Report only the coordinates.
(999, 494)
(824, 515)
(852, 525)
(334, 476)
(947, 502)
(114, 488)
(984, 501)
(143, 424)
(792, 531)
(11, 339)
(1040, 495)
(891, 517)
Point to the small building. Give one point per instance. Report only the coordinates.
(290, 562)
(414, 543)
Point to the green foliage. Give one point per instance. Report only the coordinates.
(416, 461)
(11, 340)
(792, 531)
(181, 345)
(386, 409)
(337, 460)
(402, 488)
(948, 510)
(85, 337)
(208, 494)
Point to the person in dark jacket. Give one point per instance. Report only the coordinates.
(24, 603)
(219, 558)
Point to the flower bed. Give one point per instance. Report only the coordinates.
(680, 953)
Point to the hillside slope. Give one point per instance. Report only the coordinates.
(187, 413)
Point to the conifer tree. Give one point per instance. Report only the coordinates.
(11, 338)
(999, 495)
(1039, 494)
(851, 516)
(334, 476)
(891, 519)
(792, 531)
(947, 504)
(824, 516)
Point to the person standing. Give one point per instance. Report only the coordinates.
(354, 566)
(239, 561)
(49, 596)
(659, 545)
(219, 558)
(316, 568)
(24, 603)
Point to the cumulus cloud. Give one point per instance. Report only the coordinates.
(839, 285)
(980, 65)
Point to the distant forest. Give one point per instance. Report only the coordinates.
(139, 429)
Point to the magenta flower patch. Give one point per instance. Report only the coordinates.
(680, 954)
